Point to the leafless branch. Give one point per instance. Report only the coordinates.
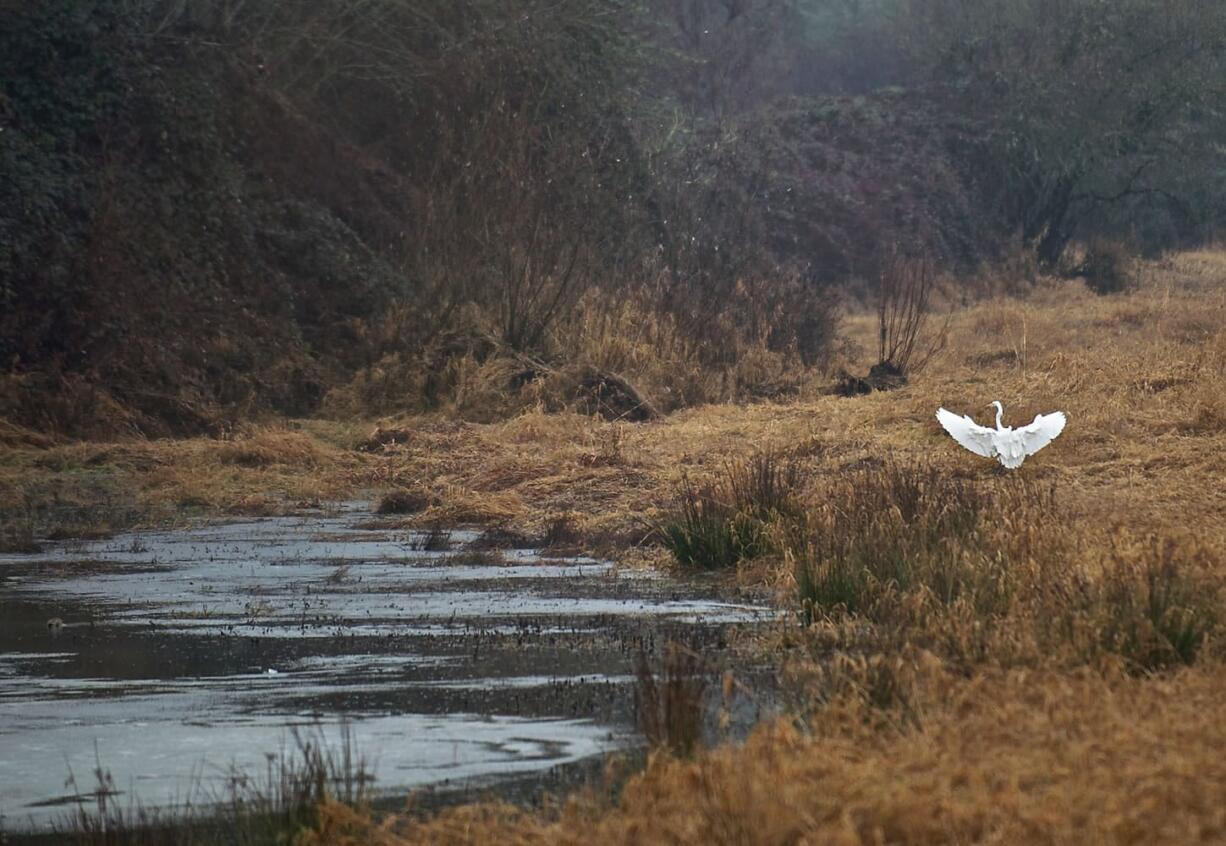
(903, 307)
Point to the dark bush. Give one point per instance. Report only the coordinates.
(404, 501)
(1108, 267)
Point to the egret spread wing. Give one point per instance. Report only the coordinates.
(964, 430)
(1041, 431)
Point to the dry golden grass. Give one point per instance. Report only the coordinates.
(1003, 758)
(1142, 376)
(935, 722)
(92, 488)
(928, 721)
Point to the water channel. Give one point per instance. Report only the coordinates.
(184, 656)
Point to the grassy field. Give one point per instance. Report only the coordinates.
(1142, 377)
(984, 657)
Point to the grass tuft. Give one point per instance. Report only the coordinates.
(1155, 615)
(721, 523)
(434, 539)
(403, 501)
(881, 531)
(706, 532)
(668, 700)
(272, 807)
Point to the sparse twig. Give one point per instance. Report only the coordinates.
(905, 295)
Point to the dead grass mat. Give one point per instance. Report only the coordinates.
(1014, 758)
(1142, 377)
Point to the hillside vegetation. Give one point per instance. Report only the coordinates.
(211, 211)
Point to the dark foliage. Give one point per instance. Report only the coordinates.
(1107, 267)
(210, 215)
(212, 211)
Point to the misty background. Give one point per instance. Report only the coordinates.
(216, 210)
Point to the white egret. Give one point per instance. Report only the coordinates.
(1009, 445)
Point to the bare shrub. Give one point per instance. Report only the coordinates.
(903, 306)
(515, 235)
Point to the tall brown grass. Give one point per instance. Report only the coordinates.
(757, 345)
(669, 699)
(1034, 757)
(983, 657)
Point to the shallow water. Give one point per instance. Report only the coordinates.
(187, 654)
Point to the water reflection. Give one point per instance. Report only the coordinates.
(170, 657)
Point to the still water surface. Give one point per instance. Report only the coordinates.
(187, 654)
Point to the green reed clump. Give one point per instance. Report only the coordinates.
(728, 520)
(1153, 612)
(887, 530)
